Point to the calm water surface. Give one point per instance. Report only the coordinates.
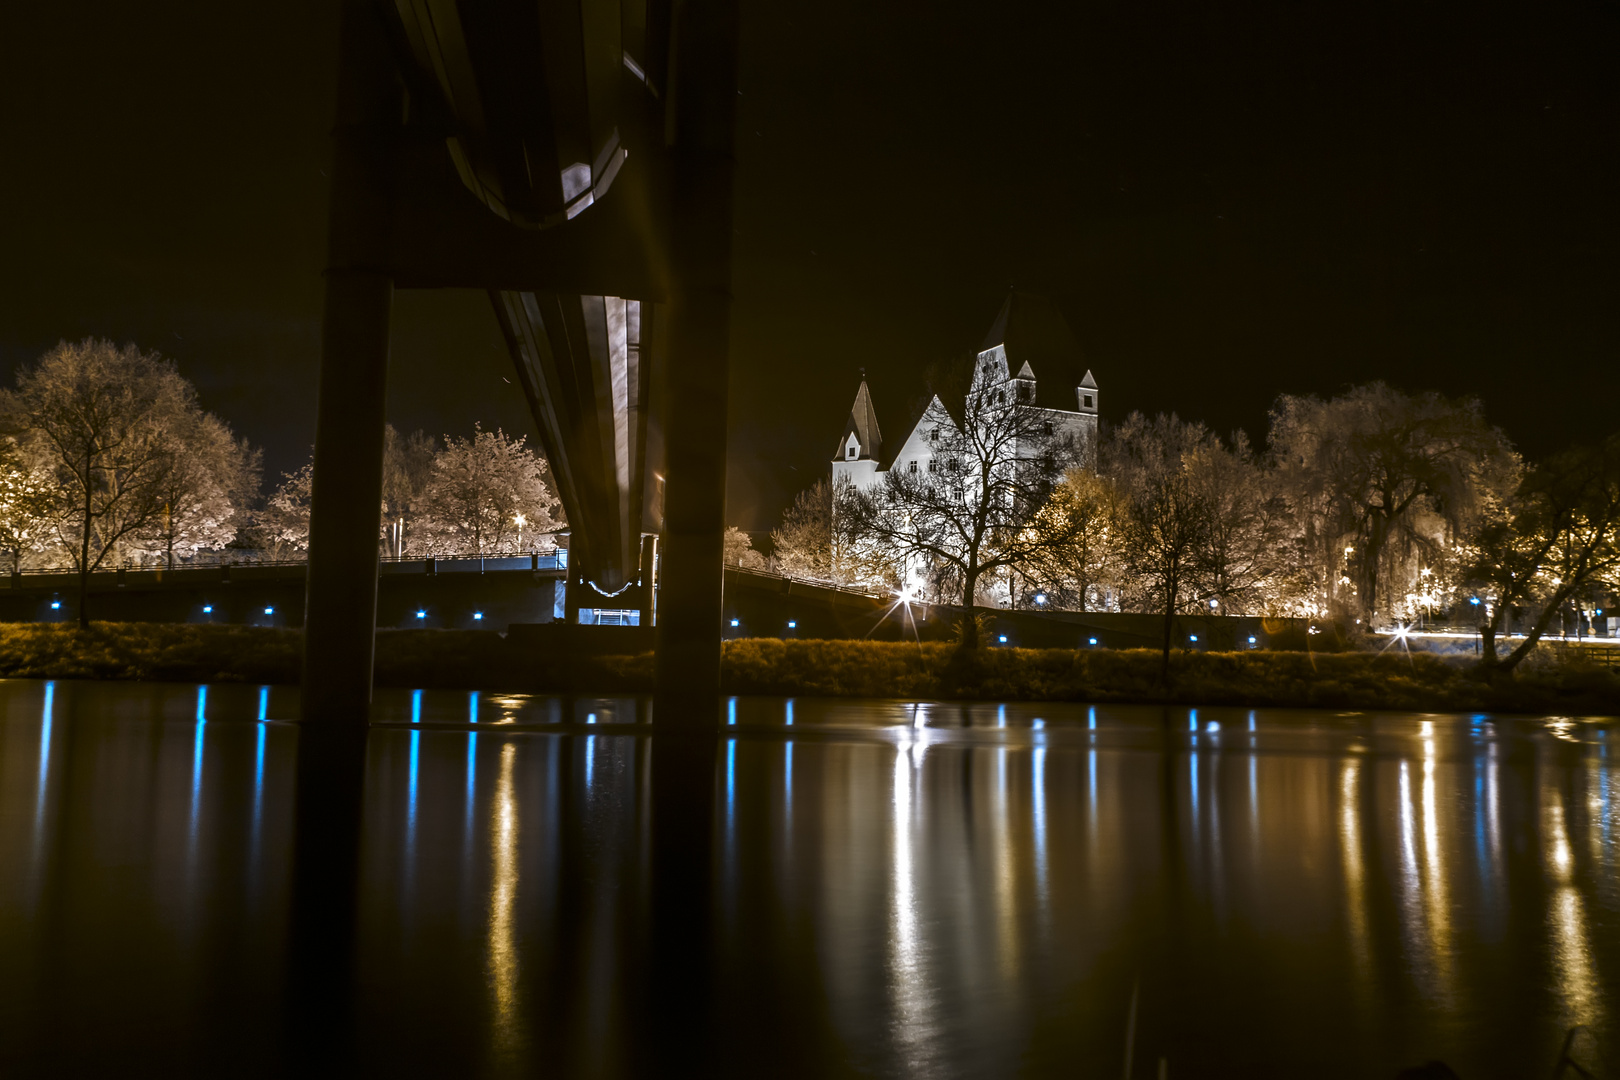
(900, 889)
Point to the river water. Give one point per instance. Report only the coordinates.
(898, 888)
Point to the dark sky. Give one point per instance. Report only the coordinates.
(1227, 202)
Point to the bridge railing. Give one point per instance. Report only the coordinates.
(774, 575)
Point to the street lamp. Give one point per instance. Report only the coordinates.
(521, 521)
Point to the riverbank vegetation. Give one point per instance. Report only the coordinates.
(932, 670)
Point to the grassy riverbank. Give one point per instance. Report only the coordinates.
(455, 658)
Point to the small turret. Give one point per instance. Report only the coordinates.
(1086, 393)
(1023, 384)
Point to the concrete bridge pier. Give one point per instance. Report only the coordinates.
(701, 158)
(341, 586)
(341, 590)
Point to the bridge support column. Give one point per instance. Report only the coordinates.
(341, 587)
(340, 613)
(687, 704)
(649, 580)
(705, 102)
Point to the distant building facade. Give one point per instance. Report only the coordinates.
(1026, 329)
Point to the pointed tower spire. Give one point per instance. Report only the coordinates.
(861, 440)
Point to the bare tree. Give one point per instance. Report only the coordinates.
(1246, 568)
(1381, 480)
(1555, 539)
(104, 418)
(961, 516)
(1169, 515)
(484, 494)
(407, 470)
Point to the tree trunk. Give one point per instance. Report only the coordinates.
(1377, 535)
(1169, 626)
(970, 621)
(84, 550)
(1533, 635)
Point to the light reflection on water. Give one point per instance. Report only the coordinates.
(905, 888)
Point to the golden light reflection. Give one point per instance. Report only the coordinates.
(1577, 982)
(913, 1010)
(1006, 883)
(503, 959)
(1436, 901)
(905, 901)
(1350, 844)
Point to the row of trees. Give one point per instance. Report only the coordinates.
(107, 459)
(487, 495)
(1372, 508)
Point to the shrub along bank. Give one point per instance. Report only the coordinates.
(465, 658)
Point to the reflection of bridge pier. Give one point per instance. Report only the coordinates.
(572, 158)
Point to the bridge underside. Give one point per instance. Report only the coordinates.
(584, 366)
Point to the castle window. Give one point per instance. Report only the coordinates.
(1047, 427)
(1024, 391)
(1001, 397)
(913, 467)
(933, 466)
(1088, 401)
(850, 453)
(933, 436)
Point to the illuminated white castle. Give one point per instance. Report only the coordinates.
(1027, 328)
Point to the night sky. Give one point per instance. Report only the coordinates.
(1227, 203)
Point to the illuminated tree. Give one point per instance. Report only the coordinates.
(26, 498)
(1081, 565)
(205, 491)
(103, 420)
(1380, 482)
(803, 543)
(481, 492)
(1557, 538)
(283, 524)
(739, 550)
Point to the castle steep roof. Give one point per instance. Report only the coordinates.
(1037, 338)
(863, 422)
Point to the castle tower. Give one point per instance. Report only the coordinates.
(1022, 385)
(859, 448)
(1087, 398)
(1086, 394)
